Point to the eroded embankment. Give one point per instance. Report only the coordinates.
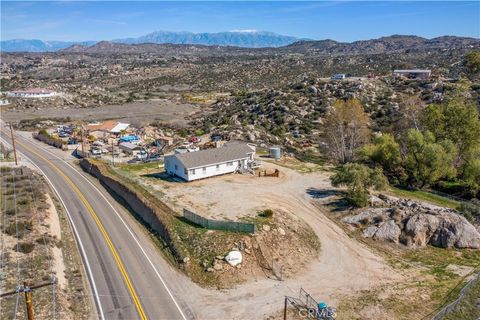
(158, 216)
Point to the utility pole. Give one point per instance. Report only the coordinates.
(83, 144)
(28, 294)
(28, 300)
(113, 154)
(13, 144)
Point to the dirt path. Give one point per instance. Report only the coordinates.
(55, 231)
(343, 266)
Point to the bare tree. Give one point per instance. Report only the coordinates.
(346, 129)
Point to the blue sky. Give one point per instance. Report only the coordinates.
(338, 20)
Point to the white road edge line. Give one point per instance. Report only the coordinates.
(75, 231)
(127, 227)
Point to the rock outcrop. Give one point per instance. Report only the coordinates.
(415, 224)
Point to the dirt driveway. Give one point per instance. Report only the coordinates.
(343, 266)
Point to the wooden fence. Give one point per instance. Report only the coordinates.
(219, 224)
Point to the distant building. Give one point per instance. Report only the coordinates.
(102, 129)
(164, 141)
(129, 148)
(413, 74)
(31, 93)
(210, 162)
(4, 102)
(338, 76)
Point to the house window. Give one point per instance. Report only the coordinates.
(192, 171)
(229, 164)
(204, 169)
(176, 167)
(218, 167)
(185, 171)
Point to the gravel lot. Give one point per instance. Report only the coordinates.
(135, 112)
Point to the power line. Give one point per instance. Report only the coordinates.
(16, 236)
(27, 290)
(31, 177)
(13, 144)
(4, 216)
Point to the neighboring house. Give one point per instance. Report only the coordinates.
(164, 141)
(129, 148)
(211, 162)
(31, 93)
(413, 74)
(4, 102)
(109, 127)
(338, 76)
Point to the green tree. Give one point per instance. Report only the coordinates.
(456, 120)
(472, 176)
(472, 62)
(385, 152)
(358, 179)
(427, 161)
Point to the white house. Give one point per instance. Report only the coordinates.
(211, 162)
(32, 93)
(338, 76)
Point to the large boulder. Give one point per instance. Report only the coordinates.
(419, 229)
(455, 231)
(370, 231)
(416, 223)
(372, 215)
(388, 231)
(234, 257)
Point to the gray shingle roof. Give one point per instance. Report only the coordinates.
(207, 157)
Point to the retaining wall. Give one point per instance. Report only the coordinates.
(157, 215)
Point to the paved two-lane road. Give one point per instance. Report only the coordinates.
(129, 279)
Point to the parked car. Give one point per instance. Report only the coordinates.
(153, 158)
(216, 137)
(63, 134)
(96, 152)
(194, 140)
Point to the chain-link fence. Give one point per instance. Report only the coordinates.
(219, 224)
(451, 307)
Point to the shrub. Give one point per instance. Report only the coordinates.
(23, 201)
(359, 179)
(23, 228)
(267, 213)
(471, 210)
(25, 247)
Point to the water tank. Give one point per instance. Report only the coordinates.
(275, 152)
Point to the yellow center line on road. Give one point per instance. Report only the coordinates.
(125, 276)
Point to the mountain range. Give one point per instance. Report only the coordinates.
(35, 45)
(384, 45)
(235, 41)
(247, 39)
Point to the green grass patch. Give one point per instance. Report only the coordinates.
(468, 308)
(433, 256)
(425, 196)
